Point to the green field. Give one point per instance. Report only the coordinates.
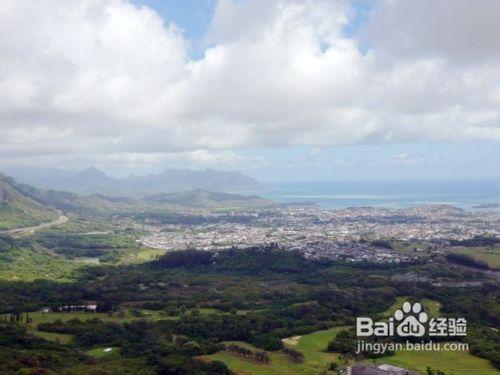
(311, 345)
(126, 315)
(488, 254)
(316, 359)
(104, 352)
(61, 338)
(430, 306)
(119, 317)
(143, 255)
(40, 317)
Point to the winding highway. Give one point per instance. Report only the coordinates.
(30, 230)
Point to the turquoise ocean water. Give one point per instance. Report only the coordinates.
(391, 194)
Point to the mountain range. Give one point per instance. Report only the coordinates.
(22, 205)
(94, 181)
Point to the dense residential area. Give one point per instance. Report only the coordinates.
(353, 234)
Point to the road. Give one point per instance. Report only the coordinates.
(30, 230)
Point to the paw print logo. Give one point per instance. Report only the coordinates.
(412, 319)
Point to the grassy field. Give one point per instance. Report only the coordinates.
(104, 352)
(119, 317)
(488, 254)
(142, 255)
(40, 317)
(311, 345)
(126, 315)
(123, 316)
(61, 338)
(430, 306)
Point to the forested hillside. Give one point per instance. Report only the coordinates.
(18, 210)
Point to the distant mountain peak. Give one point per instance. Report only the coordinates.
(92, 180)
(92, 171)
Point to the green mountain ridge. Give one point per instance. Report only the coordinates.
(18, 210)
(76, 203)
(206, 198)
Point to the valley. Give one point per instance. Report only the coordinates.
(222, 283)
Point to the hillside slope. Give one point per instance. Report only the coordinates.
(18, 210)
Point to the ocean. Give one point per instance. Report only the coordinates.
(391, 194)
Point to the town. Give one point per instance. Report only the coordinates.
(353, 234)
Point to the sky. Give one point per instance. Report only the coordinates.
(282, 90)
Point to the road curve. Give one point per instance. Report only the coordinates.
(30, 230)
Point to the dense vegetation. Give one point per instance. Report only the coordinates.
(257, 295)
(106, 246)
(466, 260)
(477, 241)
(18, 210)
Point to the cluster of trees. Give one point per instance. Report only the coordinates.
(254, 328)
(294, 355)
(431, 371)
(479, 305)
(477, 241)
(152, 341)
(385, 244)
(259, 355)
(485, 342)
(466, 260)
(19, 350)
(252, 260)
(185, 258)
(8, 243)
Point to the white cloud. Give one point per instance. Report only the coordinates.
(459, 31)
(113, 81)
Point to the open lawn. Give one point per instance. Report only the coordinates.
(104, 352)
(120, 316)
(40, 317)
(311, 345)
(61, 338)
(141, 255)
(123, 316)
(149, 254)
(430, 306)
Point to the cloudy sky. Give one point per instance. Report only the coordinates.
(283, 90)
